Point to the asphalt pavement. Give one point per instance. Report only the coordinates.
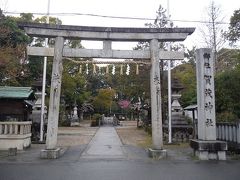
(106, 158)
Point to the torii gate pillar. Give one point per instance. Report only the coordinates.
(156, 151)
(51, 151)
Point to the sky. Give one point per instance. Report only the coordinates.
(186, 10)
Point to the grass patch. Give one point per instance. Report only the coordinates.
(176, 146)
(146, 143)
(233, 155)
(194, 158)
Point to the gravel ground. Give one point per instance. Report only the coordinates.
(137, 137)
(74, 136)
(127, 131)
(131, 135)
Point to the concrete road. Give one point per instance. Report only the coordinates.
(105, 144)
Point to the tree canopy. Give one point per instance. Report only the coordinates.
(10, 34)
(12, 51)
(227, 95)
(186, 74)
(234, 29)
(102, 102)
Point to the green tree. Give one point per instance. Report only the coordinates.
(12, 51)
(74, 85)
(233, 33)
(10, 34)
(227, 86)
(128, 86)
(16, 68)
(102, 102)
(25, 17)
(185, 73)
(227, 59)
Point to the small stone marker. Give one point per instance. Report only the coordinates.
(74, 119)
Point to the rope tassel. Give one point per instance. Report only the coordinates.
(107, 70)
(121, 69)
(99, 69)
(113, 70)
(137, 69)
(128, 70)
(80, 69)
(87, 71)
(94, 69)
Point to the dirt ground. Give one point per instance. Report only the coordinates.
(127, 131)
(73, 136)
(131, 135)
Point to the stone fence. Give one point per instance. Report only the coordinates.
(110, 121)
(229, 132)
(15, 135)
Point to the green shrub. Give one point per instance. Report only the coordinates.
(188, 120)
(64, 123)
(226, 116)
(96, 116)
(95, 120)
(148, 129)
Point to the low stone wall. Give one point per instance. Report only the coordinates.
(209, 150)
(15, 135)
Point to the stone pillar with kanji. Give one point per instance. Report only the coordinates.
(206, 147)
(52, 151)
(157, 151)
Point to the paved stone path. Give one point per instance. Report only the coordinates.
(105, 144)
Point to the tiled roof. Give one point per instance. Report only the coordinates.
(15, 92)
(191, 107)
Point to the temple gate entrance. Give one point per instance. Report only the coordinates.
(106, 35)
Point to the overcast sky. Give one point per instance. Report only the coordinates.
(190, 10)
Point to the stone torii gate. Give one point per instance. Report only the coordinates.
(107, 35)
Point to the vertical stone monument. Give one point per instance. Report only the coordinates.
(206, 147)
(75, 119)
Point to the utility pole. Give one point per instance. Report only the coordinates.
(169, 85)
(44, 82)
